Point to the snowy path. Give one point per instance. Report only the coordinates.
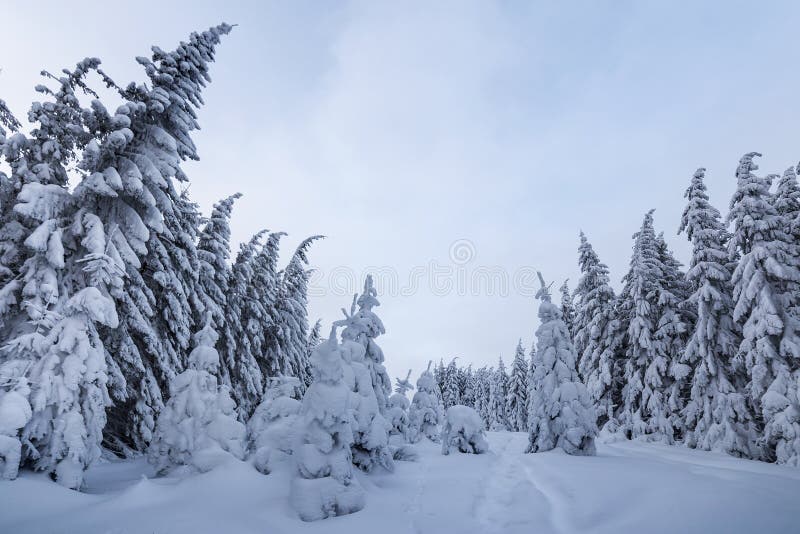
(511, 500)
(628, 487)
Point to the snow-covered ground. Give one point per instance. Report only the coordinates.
(627, 487)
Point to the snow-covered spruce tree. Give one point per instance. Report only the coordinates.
(517, 396)
(370, 428)
(314, 339)
(674, 322)
(765, 294)
(292, 323)
(66, 358)
(60, 294)
(717, 415)
(595, 334)
(567, 307)
(468, 387)
(482, 390)
(451, 394)
(531, 364)
(265, 284)
(561, 412)
(15, 412)
(243, 334)
(270, 431)
(69, 397)
(645, 408)
(498, 390)
(325, 485)
(787, 202)
(463, 431)
(439, 374)
(40, 158)
(425, 413)
(198, 426)
(364, 327)
(129, 167)
(213, 253)
(398, 407)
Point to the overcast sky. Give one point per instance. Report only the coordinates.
(439, 144)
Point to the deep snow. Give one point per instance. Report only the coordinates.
(627, 487)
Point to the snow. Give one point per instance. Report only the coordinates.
(463, 431)
(627, 487)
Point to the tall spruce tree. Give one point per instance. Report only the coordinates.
(65, 277)
(765, 293)
(674, 322)
(717, 415)
(645, 411)
(129, 168)
(595, 333)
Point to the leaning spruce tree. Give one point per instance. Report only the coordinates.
(138, 151)
(717, 415)
(561, 412)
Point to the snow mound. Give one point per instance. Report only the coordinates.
(463, 431)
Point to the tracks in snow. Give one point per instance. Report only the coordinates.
(516, 497)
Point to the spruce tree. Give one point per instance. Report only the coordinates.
(717, 416)
(213, 254)
(595, 333)
(451, 393)
(567, 307)
(425, 413)
(517, 396)
(60, 280)
(765, 293)
(468, 387)
(561, 412)
(482, 390)
(325, 485)
(292, 321)
(674, 323)
(242, 333)
(439, 375)
(498, 390)
(198, 426)
(645, 411)
(129, 166)
(270, 431)
(364, 327)
(370, 430)
(267, 286)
